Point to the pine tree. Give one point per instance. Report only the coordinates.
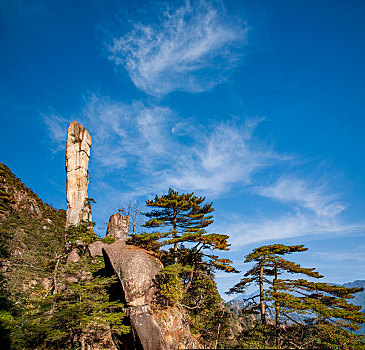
(183, 219)
(327, 302)
(267, 262)
(185, 216)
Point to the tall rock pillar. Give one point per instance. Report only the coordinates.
(77, 161)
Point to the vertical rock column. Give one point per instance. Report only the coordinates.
(77, 161)
(118, 226)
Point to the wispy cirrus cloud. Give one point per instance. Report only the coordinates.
(312, 194)
(192, 49)
(357, 255)
(313, 209)
(165, 150)
(153, 140)
(125, 135)
(57, 128)
(245, 231)
(228, 154)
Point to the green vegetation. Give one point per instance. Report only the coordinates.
(49, 301)
(45, 302)
(329, 315)
(187, 281)
(184, 218)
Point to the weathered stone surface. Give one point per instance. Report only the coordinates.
(77, 161)
(149, 333)
(174, 331)
(136, 269)
(153, 329)
(118, 226)
(95, 248)
(73, 257)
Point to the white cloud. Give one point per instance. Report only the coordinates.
(127, 134)
(245, 231)
(356, 255)
(313, 211)
(227, 155)
(57, 127)
(152, 140)
(307, 193)
(152, 149)
(191, 49)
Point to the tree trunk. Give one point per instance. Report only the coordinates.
(55, 271)
(134, 222)
(82, 342)
(277, 313)
(262, 302)
(190, 278)
(175, 236)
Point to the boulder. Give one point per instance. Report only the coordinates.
(73, 257)
(136, 269)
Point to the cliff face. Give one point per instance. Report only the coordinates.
(30, 232)
(23, 214)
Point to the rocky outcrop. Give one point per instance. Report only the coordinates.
(95, 248)
(77, 161)
(118, 226)
(174, 331)
(73, 257)
(137, 269)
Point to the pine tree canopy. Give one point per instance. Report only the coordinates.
(182, 212)
(328, 302)
(324, 303)
(185, 218)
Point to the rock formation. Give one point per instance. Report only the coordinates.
(118, 226)
(137, 269)
(77, 161)
(95, 248)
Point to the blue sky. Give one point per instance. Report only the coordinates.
(257, 105)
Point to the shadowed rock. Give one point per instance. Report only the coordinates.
(148, 331)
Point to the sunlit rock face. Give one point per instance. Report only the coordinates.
(77, 161)
(118, 226)
(137, 268)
